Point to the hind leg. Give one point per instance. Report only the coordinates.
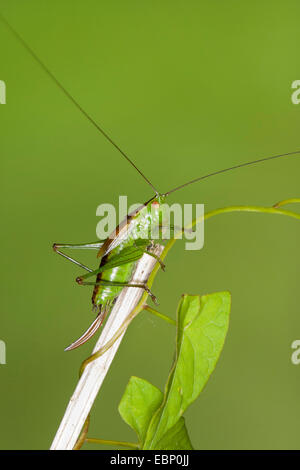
(83, 246)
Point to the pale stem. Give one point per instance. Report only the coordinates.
(94, 373)
(129, 304)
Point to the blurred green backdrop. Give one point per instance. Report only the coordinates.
(186, 88)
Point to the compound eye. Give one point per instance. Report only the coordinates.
(155, 204)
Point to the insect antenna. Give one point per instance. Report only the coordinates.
(66, 93)
(224, 170)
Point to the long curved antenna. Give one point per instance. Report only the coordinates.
(253, 162)
(63, 89)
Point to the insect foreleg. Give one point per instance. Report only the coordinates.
(144, 246)
(162, 265)
(87, 246)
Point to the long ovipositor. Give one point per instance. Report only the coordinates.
(131, 237)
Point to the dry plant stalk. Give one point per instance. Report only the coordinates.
(93, 375)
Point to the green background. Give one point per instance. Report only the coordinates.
(185, 88)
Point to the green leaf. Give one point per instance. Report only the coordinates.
(176, 438)
(138, 404)
(202, 324)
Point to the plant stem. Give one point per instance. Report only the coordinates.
(294, 200)
(169, 245)
(65, 438)
(159, 315)
(93, 376)
(130, 445)
(82, 438)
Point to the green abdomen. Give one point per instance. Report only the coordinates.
(104, 294)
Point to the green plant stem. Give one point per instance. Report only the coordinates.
(294, 200)
(142, 303)
(82, 438)
(130, 445)
(159, 315)
(169, 245)
(257, 209)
